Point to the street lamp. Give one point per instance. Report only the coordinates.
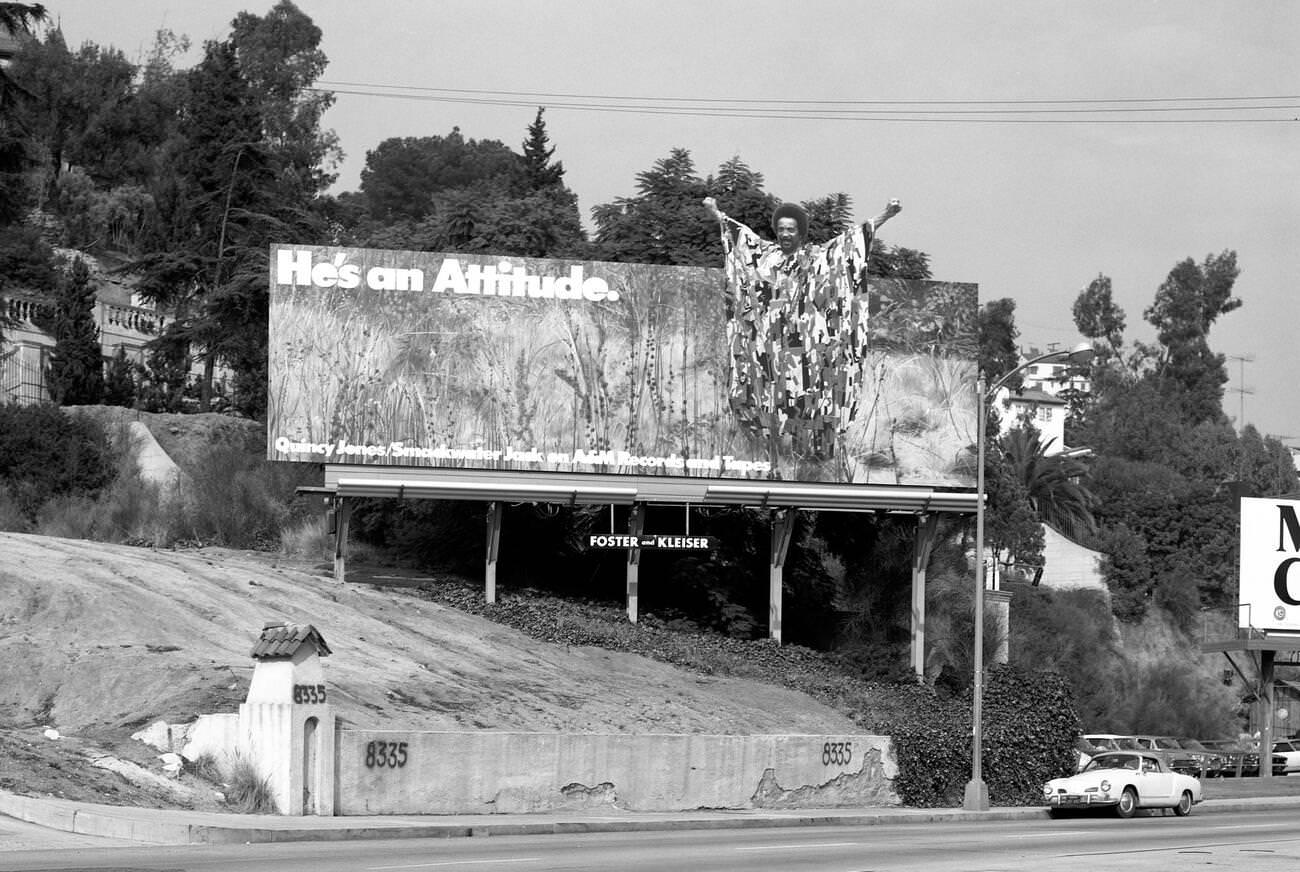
(977, 792)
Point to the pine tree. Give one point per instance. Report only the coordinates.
(539, 172)
(119, 380)
(76, 375)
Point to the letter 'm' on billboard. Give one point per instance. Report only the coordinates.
(1288, 526)
(523, 365)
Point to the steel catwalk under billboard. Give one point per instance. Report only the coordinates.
(508, 364)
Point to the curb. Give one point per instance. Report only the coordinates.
(165, 827)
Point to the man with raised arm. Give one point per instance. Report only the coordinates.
(796, 328)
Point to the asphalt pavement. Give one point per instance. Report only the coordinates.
(179, 827)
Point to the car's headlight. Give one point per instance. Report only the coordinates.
(1105, 786)
(1047, 790)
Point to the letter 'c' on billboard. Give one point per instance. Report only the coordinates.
(1280, 582)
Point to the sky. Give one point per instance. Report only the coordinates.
(1029, 205)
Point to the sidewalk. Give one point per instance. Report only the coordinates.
(173, 827)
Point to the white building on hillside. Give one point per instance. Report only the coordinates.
(124, 322)
(1039, 401)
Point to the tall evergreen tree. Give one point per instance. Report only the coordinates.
(1098, 317)
(539, 171)
(119, 380)
(1186, 305)
(997, 331)
(665, 222)
(221, 188)
(76, 373)
(280, 58)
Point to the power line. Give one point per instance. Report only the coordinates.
(1238, 109)
(954, 116)
(807, 102)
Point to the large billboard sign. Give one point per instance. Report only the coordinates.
(519, 365)
(1269, 589)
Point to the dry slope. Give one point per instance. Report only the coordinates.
(97, 640)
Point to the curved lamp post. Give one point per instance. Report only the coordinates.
(977, 792)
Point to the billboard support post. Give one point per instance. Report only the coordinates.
(495, 510)
(342, 516)
(1266, 690)
(782, 528)
(926, 527)
(635, 527)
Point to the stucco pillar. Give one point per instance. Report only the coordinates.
(286, 724)
(998, 603)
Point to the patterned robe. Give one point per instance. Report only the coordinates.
(797, 332)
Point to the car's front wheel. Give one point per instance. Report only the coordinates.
(1128, 803)
(1184, 807)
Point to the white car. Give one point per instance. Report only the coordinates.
(1290, 749)
(1124, 781)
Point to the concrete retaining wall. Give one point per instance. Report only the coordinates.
(389, 772)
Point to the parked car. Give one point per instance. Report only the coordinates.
(1290, 751)
(1239, 761)
(1083, 752)
(1178, 757)
(1212, 762)
(1111, 741)
(1124, 781)
(1090, 745)
(1243, 757)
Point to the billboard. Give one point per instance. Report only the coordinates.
(1269, 588)
(509, 364)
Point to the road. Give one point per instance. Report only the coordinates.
(1258, 841)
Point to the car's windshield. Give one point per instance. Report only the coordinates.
(1112, 761)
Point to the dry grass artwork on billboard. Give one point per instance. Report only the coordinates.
(515, 364)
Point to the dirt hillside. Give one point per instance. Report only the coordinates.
(99, 640)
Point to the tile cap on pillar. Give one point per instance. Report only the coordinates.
(282, 639)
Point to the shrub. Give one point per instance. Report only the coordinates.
(1029, 728)
(46, 453)
(308, 538)
(134, 510)
(70, 517)
(238, 500)
(12, 517)
(247, 790)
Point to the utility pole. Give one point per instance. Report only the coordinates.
(1241, 390)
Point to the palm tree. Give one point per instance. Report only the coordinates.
(1054, 482)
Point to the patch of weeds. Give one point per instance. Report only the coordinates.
(205, 766)
(247, 790)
